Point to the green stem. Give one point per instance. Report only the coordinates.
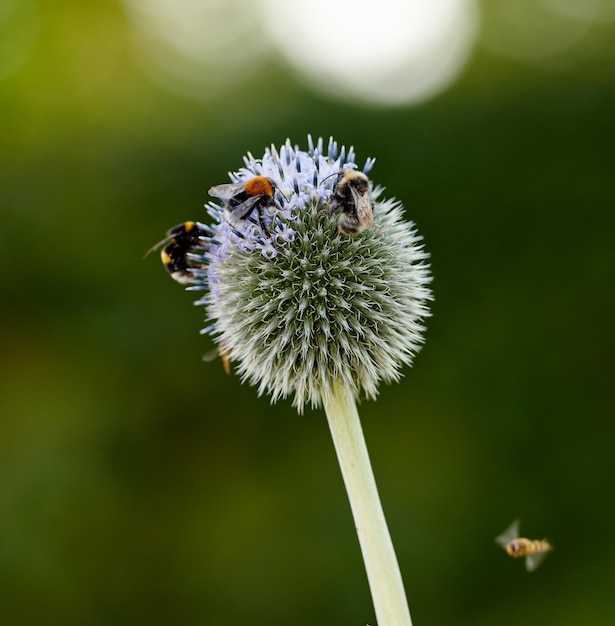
(381, 565)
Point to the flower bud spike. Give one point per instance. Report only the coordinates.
(310, 145)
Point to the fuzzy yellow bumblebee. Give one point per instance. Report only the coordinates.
(534, 550)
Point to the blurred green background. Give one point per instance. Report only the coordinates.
(139, 485)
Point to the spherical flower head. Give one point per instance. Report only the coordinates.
(301, 304)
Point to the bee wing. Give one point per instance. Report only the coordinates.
(223, 354)
(364, 207)
(532, 561)
(242, 210)
(226, 191)
(512, 532)
(211, 355)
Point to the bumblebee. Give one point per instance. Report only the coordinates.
(180, 240)
(534, 550)
(242, 199)
(352, 197)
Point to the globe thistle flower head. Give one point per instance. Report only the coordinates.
(301, 304)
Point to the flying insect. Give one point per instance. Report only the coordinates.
(534, 550)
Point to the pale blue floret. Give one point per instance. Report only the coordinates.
(306, 304)
(298, 176)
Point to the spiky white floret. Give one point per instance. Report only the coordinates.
(306, 304)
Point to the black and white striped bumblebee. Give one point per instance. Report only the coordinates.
(181, 240)
(242, 199)
(352, 197)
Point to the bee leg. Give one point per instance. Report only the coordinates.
(261, 223)
(333, 206)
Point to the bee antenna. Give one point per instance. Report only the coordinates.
(157, 245)
(331, 175)
(283, 194)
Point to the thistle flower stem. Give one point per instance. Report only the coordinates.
(381, 564)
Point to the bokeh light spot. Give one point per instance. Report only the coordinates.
(386, 52)
(19, 25)
(532, 30)
(588, 11)
(197, 47)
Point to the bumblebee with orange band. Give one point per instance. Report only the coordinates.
(242, 199)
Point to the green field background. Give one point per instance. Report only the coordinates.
(142, 486)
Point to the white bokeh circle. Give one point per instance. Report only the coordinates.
(198, 47)
(380, 51)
